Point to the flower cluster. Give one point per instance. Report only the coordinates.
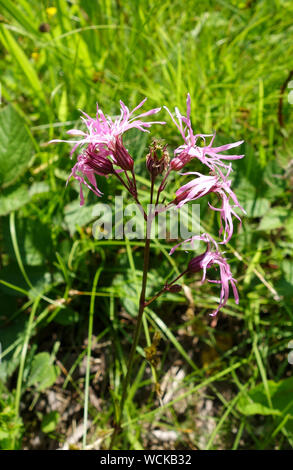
(102, 149)
(216, 182)
(103, 153)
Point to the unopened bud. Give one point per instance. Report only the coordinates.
(174, 288)
(121, 156)
(178, 162)
(195, 264)
(98, 161)
(157, 160)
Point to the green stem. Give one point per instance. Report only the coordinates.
(135, 197)
(23, 355)
(87, 377)
(138, 323)
(165, 289)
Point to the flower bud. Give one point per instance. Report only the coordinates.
(98, 161)
(178, 162)
(195, 264)
(121, 156)
(174, 288)
(157, 160)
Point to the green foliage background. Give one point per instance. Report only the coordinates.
(235, 59)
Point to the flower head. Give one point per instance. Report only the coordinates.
(215, 259)
(92, 162)
(103, 130)
(157, 160)
(103, 146)
(121, 156)
(205, 184)
(204, 237)
(208, 155)
(196, 188)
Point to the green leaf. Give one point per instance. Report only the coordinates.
(287, 267)
(42, 374)
(38, 276)
(77, 215)
(275, 218)
(22, 18)
(13, 198)
(63, 108)
(255, 402)
(16, 146)
(36, 246)
(50, 421)
(256, 207)
(289, 226)
(9, 333)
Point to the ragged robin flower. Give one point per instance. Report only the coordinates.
(102, 145)
(211, 259)
(206, 154)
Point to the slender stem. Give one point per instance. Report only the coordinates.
(89, 349)
(122, 181)
(138, 322)
(24, 353)
(165, 288)
(132, 194)
(162, 186)
(134, 179)
(27, 336)
(131, 183)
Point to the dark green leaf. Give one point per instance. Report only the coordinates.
(42, 374)
(16, 146)
(50, 421)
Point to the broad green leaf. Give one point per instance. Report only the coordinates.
(13, 198)
(42, 374)
(255, 402)
(50, 421)
(63, 107)
(35, 247)
(77, 215)
(9, 333)
(39, 277)
(16, 149)
(256, 207)
(287, 267)
(289, 226)
(275, 218)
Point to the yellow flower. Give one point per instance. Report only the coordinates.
(51, 11)
(35, 56)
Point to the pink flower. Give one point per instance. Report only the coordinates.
(205, 237)
(203, 185)
(121, 156)
(103, 145)
(207, 154)
(226, 212)
(92, 162)
(210, 259)
(104, 131)
(196, 188)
